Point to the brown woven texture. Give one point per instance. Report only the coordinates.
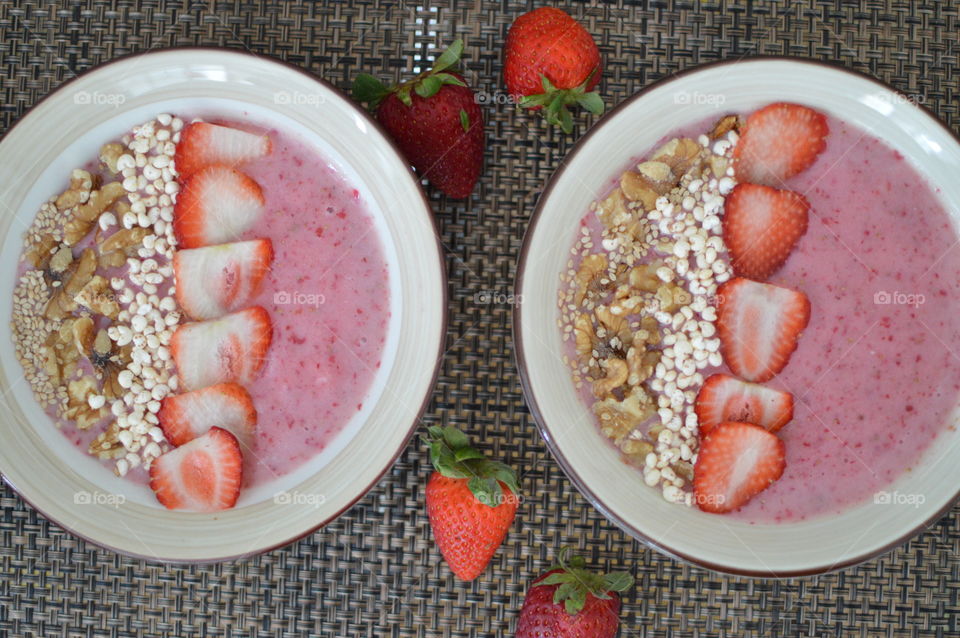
(375, 571)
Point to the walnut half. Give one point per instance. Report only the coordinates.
(616, 375)
(85, 216)
(590, 276)
(620, 421)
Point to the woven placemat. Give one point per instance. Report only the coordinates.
(375, 571)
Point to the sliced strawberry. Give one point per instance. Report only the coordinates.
(215, 280)
(216, 205)
(202, 144)
(184, 417)
(230, 349)
(736, 462)
(761, 225)
(759, 325)
(779, 141)
(725, 398)
(203, 475)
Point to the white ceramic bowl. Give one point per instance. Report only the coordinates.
(65, 130)
(617, 490)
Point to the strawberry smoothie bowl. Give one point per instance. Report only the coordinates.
(213, 303)
(757, 314)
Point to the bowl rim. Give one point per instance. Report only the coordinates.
(444, 298)
(524, 370)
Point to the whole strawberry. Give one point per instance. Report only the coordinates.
(571, 602)
(435, 120)
(471, 502)
(552, 62)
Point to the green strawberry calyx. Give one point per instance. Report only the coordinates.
(453, 457)
(576, 582)
(555, 102)
(371, 91)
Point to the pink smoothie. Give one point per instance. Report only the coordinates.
(328, 297)
(877, 372)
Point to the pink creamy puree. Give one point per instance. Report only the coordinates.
(328, 297)
(875, 375)
(873, 382)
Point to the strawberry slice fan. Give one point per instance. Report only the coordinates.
(759, 324)
(225, 346)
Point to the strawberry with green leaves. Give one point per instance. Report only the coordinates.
(553, 63)
(572, 602)
(471, 501)
(435, 120)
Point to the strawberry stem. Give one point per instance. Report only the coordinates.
(371, 91)
(557, 102)
(575, 582)
(453, 457)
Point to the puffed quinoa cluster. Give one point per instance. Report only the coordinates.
(689, 218)
(149, 313)
(638, 300)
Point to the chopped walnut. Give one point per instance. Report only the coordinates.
(64, 346)
(616, 376)
(40, 250)
(51, 364)
(650, 330)
(679, 154)
(644, 278)
(613, 326)
(613, 210)
(83, 335)
(724, 125)
(640, 361)
(62, 302)
(86, 266)
(621, 419)
(107, 445)
(638, 189)
(124, 241)
(659, 175)
(626, 304)
(590, 277)
(78, 406)
(109, 154)
(98, 297)
(636, 450)
(85, 216)
(60, 263)
(79, 389)
(78, 192)
(111, 384)
(585, 337)
(672, 297)
(683, 469)
(102, 349)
